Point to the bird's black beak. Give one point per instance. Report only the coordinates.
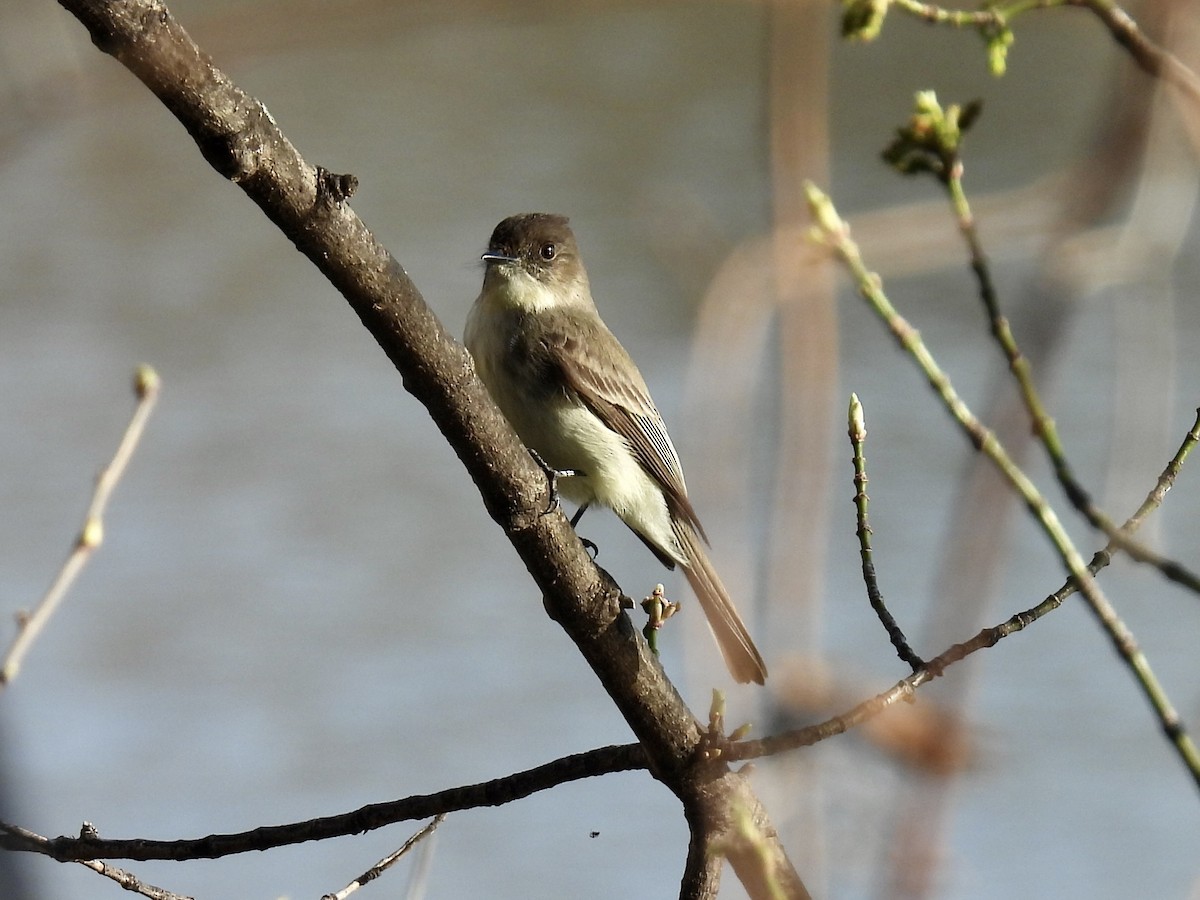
(490, 257)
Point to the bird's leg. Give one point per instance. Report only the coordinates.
(552, 475)
(587, 545)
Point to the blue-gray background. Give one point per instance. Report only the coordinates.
(301, 606)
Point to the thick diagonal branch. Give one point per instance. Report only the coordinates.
(238, 137)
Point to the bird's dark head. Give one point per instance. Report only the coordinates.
(539, 246)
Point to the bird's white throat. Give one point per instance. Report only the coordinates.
(514, 288)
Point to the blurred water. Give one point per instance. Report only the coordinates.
(301, 606)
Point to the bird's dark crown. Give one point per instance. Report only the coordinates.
(536, 239)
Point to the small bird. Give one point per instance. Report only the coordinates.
(575, 397)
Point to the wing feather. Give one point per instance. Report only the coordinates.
(597, 368)
(594, 366)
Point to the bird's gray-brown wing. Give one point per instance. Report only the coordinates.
(596, 367)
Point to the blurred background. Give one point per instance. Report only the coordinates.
(301, 605)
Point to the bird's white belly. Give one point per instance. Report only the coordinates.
(567, 435)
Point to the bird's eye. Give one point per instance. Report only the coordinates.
(548, 251)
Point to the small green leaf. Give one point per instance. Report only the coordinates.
(862, 20)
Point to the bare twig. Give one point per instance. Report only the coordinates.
(1150, 57)
(418, 876)
(387, 862)
(497, 792)
(146, 386)
(127, 880)
(131, 882)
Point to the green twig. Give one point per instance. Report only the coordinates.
(1155, 497)
(988, 637)
(931, 142)
(863, 20)
(835, 233)
(858, 438)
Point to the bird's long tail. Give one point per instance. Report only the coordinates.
(741, 656)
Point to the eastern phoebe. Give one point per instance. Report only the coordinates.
(576, 398)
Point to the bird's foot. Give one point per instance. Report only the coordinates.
(552, 475)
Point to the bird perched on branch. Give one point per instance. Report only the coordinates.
(576, 398)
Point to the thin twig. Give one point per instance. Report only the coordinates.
(497, 792)
(627, 757)
(1150, 57)
(858, 438)
(387, 862)
(1155, 498)
(987, 637)
(956, 18)
(146, 387)
(835, 233)
(127, 880)
(995, 24)
(418, 875)
(1043, 423)
(131, 882)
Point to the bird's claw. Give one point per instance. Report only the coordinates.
(552, 476)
